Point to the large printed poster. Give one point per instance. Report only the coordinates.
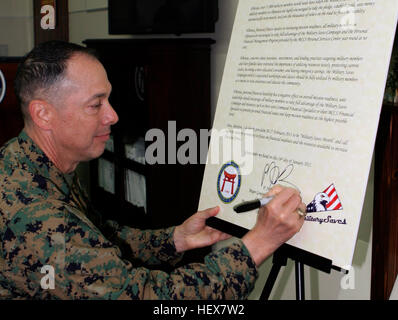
(299, 106)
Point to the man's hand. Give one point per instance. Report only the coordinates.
(194, 233)
(277, 222)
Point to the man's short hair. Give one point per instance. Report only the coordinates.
(42, 68)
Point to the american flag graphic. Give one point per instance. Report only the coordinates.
(334, 201)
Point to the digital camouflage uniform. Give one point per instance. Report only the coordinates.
(43, 222)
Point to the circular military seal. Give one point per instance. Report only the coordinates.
(2, 86)
(228, 182)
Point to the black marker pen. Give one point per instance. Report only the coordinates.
(251, 205)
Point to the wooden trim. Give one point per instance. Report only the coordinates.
(385, 213)
(61, 31)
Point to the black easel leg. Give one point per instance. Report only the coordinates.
(270, 281)
(279, 260)
(300, 292)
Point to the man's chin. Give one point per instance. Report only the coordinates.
(94, 155)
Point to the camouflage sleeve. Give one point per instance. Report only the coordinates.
(227, 274)
(151, 246)
(87, 266)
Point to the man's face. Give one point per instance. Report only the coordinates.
(83, 115)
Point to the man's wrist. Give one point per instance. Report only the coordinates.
(259, 250)
(178, 239)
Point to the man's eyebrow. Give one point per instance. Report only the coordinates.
(96, 96)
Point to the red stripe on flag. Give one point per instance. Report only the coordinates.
(331, 191)
(338, 206)
(331, 202)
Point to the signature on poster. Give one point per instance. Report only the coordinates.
(273, 174)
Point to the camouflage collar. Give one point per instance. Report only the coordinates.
(50, 179)
(36, 161)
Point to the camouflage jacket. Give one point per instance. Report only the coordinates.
(43, 225)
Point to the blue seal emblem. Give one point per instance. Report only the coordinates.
(228, 182)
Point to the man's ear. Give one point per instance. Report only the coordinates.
(41, 113)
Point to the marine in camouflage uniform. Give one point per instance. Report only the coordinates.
(43, 221)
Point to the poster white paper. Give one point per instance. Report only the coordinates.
(299, 106)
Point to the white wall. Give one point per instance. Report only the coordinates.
(16, 27)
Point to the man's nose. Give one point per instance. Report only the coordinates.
(110, 115)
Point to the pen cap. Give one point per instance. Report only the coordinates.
(247, 206)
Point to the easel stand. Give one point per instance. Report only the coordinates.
(300, 257)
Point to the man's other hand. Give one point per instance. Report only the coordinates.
(194, 233)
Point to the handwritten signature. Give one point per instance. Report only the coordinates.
(273, 175)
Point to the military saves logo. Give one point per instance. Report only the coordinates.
(228, 182)
(325, 201)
